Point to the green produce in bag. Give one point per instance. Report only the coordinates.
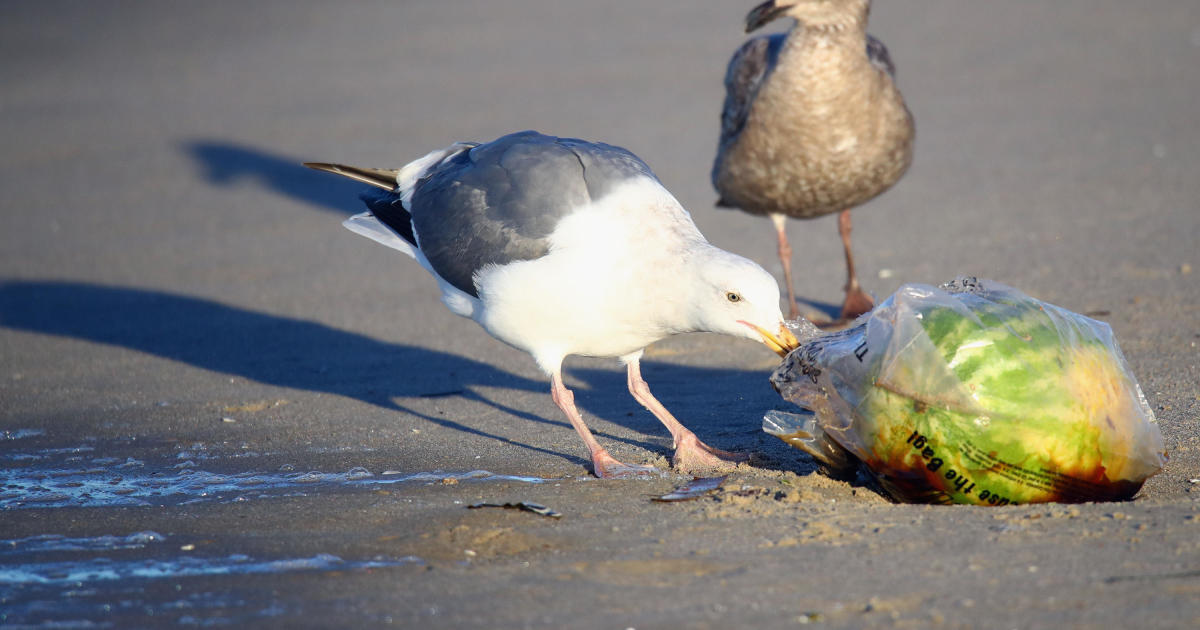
(972, 392)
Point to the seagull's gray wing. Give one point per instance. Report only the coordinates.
(748, 70)
(605, 166)
(499, 202)
(878, 54)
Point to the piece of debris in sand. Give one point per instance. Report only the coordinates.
(695, 489)
(524, 506)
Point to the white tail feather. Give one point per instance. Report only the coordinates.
(365, 224)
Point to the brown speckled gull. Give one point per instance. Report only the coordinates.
(813, 124)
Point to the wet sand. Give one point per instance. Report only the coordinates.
(219, 408)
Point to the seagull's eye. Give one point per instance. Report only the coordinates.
(733, 297)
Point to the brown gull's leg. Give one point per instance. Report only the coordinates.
(691, 455)
(857, 301)
(785, 258)
(604, 465)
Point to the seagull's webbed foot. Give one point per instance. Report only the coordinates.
(691, 455)
(856, 303)
(606, 466)
(695, 457)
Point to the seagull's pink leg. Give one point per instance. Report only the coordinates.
(857, 301)
(691, 455)
(785, 258)
(604, 465)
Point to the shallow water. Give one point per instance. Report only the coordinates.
(86, 572)
(55, 581)
(85, 592)
(78, 476)
(55, 542)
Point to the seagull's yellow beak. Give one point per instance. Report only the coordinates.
(781, 343)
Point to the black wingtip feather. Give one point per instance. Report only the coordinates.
(388, 208)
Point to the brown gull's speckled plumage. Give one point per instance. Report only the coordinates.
(813, 123)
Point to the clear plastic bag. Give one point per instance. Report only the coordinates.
(972, 393)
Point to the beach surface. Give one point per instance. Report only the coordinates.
(219, 408)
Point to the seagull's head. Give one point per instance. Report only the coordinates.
(808, 12)
(739, 298)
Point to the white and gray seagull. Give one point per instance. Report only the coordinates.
(558, 246)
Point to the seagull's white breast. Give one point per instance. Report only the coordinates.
(607, 286)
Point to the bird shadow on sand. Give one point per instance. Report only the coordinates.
(305, 355)
(227, 164)
(818, 311)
